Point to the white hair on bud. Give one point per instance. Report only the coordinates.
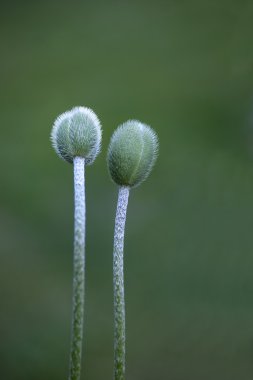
(132, 153)
(90, 114)
(53, 137)
(71, 138)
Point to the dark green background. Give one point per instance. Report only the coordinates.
(185, 68)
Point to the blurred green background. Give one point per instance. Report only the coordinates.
(185, 68)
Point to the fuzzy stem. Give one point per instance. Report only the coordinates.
(79, 269)
(118, 285)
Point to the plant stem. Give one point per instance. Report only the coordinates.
(118, 285)
(79, 269)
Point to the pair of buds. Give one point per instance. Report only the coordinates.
(76, 137)
(132, 151)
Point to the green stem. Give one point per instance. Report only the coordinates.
(118, 285)
(79, 269)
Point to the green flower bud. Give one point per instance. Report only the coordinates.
(132, 153)
(77, 133)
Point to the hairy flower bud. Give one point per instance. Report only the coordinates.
(132, 153)
(77, 133)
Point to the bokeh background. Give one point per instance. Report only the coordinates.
(186, 68)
